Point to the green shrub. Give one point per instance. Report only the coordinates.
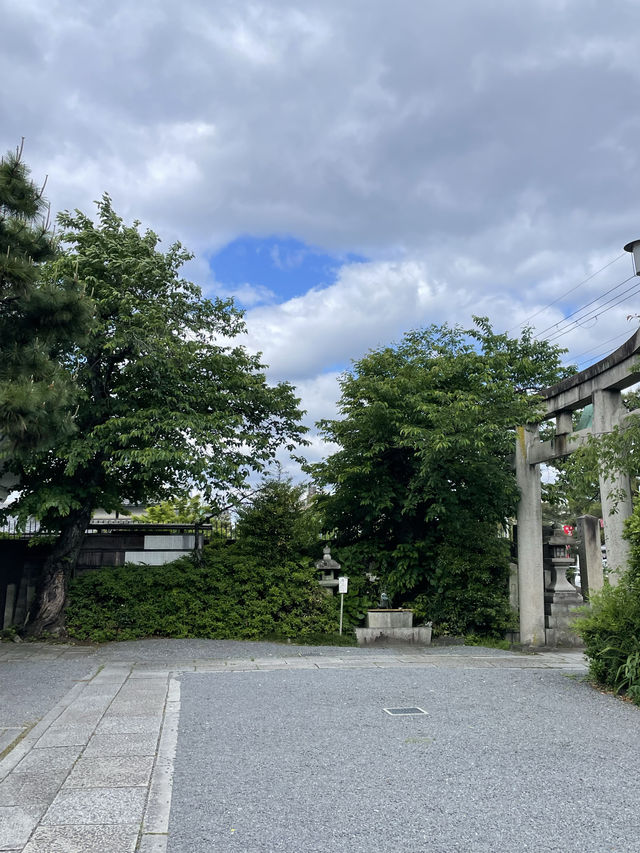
(632, 535)
(230, 595)
(610, 627)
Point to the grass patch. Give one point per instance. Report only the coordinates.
(311, 639)
(488, 642)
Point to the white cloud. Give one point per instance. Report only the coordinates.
(247, 294)
(320, 396)
(369, 305)
(352, 131)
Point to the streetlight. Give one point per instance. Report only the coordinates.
(634, 248)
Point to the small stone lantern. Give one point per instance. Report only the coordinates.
(329, 570)
(560, 596)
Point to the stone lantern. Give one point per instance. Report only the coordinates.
(560, 597)
(329, 570)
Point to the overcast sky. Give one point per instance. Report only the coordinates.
(351, 170)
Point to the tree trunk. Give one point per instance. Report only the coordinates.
(46, 614)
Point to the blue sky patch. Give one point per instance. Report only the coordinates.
(283, 266)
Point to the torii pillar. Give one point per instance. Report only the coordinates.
(530, 565)
(615, 489)
(600, 384)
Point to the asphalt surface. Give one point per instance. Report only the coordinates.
(183, 746)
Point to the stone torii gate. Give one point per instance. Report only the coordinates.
(601, 384)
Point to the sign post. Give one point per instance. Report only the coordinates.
(343, 585)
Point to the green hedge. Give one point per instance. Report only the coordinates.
(610, 626)
(610, 629)
(230, 595)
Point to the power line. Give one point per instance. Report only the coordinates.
(562, 296)
(597, 312)
(586, 305)
(590, 352)
(594, 359)
(582, 307)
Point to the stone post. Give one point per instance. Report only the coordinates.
(591, 578)
(514, 600)
(9, 605)
(607, 410)
(530, 570)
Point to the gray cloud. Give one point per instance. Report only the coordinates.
(482, 153)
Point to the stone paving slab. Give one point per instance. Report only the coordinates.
(84, 839)
(79, 780)
(67, 735)
(98, 806)
(155, 828)
(17, 823)
(121, 745)
(41, 759)
(151, 676)
(31, 788)
(114, 772)
(121, 725)
(153, 844)
(27, 743)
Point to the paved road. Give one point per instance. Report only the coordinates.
(192, 746)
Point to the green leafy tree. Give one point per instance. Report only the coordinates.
(277, 524)
(183, 510)
(425, 447)
(575, 490)
(39, 320)
(168, 402)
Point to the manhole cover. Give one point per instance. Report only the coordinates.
(403, 712)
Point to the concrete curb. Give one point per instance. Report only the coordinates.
(155, 824)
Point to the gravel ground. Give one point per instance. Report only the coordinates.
(164, 651)
(504, 761)
(41, 674)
